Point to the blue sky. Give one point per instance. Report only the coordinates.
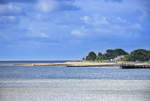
(69, 29)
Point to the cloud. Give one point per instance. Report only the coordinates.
(77, 32)
(111, 18)
(127, 30)
(9, 9)
(18, 1)
(81, 18)
(121, 20)
(23, 7)
(125, 8)
(47, 5)
(85, 19)
(104, 21)
(67, 5)
(32, 33)
(44, 35)
(56, 5)
(95, 20)
(7, 19)
(82, 31)
(145, 10)
(114, 1)
(109, 25)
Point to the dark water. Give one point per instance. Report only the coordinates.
(62, 72)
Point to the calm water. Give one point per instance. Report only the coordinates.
(62, 72)
(12, 63)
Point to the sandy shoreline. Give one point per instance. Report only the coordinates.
(124, 65)
(71, 64)
(75, 90)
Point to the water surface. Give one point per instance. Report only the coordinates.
(62, 72)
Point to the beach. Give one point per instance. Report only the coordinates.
(74, 90)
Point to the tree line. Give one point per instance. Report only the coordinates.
(111, 54)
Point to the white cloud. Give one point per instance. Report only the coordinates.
(114, 8)
(121, 20)
(46, 5)
(76, 32)
(11, 7)
(121, 30)
(44, 35)
(95, 20)
(7, 19)
(109, 25)
(86, 19)
(82, 31)
(36, 33)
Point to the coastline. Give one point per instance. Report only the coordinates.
(123, 65)
(74, 64)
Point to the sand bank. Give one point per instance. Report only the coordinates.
(73, 64)
(94, 64)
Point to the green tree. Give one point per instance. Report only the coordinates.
(91, 56)
(138, 55)
(99, 57)
(111, 54)
(100, 54)
(119, 52)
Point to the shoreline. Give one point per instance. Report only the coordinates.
(74, 64)
(123, 65)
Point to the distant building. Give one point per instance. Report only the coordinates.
(118, 58)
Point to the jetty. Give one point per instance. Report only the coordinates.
(132, 65)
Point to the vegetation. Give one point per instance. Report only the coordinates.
(111, 54)
(136, 55)
(100, 57)
(91, 56)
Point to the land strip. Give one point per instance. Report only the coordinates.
(94, 64)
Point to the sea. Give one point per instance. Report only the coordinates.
(10, 70)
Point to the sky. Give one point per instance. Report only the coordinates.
(69, 29)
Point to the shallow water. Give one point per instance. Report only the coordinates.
(62, 72)
(77, 90)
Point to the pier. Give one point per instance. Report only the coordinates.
(135, 65)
